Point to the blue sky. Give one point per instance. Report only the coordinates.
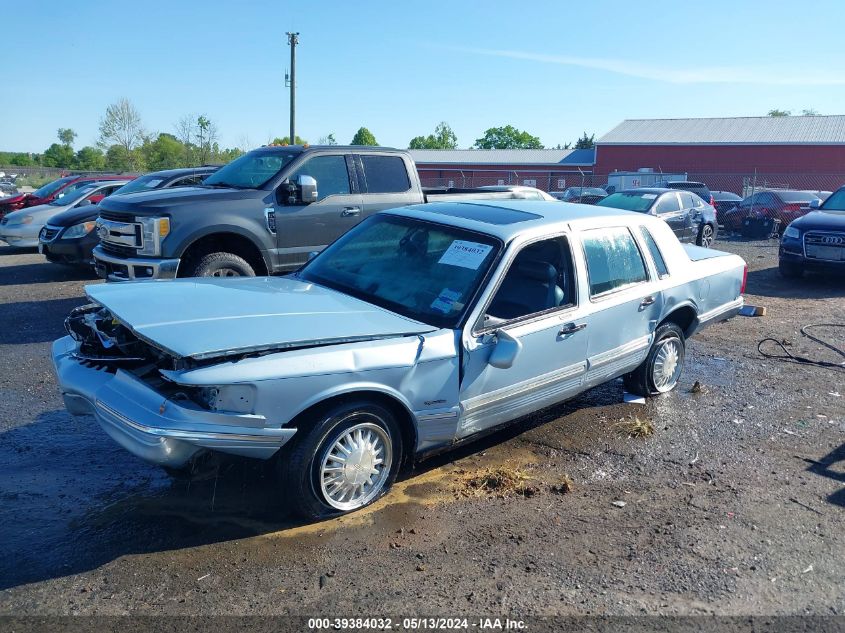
(553, 68)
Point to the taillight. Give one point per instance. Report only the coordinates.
(744, 280)
(793, 206)
(712, 201)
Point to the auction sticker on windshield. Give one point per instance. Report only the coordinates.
(445, 300)
(465, 254)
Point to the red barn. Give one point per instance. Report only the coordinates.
(547, 169)
(803, 152)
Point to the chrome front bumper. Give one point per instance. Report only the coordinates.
(113, 268)
(150, 426)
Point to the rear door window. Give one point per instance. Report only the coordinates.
(656, 255)
(385, 174)
(613, 259)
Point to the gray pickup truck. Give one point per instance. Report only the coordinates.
(263, 213)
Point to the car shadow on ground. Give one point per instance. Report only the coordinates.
(832, 466)
(35, 321)
(71, 500)
(44, 272)
(768, 282)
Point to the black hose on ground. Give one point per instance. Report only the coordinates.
(788, 356)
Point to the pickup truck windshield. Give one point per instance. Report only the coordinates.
(424, 271)
(251, 170)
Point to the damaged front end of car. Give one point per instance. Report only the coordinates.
(108, 371)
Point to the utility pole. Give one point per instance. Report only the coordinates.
(293, 40)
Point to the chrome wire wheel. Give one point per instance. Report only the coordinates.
(706, 236)
(355, 467)
(667, 366)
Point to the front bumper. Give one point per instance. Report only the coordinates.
(20, 235)
(810, 264)
(152, 427)
(76, 251)
(114, 268)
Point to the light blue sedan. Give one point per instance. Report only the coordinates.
(421, 327)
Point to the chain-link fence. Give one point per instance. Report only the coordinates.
(776, 199)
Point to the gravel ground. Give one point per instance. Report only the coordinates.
(733, 506)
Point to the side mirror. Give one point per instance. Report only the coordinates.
(303, 191)
(506, 350)
(815, 204)
(307, 189)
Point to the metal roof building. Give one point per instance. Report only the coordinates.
(773, 145)
(548, 169)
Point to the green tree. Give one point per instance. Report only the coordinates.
(118, 159)
(327, 140)
(90, 159)
(121, 125)
(507, 137)
(66, 136)
(285, 140)
(165, 152)
(810, 112)
(363, 137)
(586, 142)
(18, 159)
(443, 138)
(58, 156)
(779, 112)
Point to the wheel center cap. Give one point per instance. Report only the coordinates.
(358, 467)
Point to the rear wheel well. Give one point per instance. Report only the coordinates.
(402, 415)
(223, 243)
(683, 317)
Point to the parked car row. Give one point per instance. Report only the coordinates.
(816, 240)
(54, 190)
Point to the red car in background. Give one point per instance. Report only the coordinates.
(779, 204)
(53, 190)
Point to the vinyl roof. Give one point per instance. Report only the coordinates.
(504, 156)
(762, 130)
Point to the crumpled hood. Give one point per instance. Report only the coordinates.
(208, 317)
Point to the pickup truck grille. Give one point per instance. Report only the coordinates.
(120, 233)
(825, 246)
(117, 249)
(117, 217)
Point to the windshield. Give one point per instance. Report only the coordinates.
(835, 202)
(588, 191)
(796, 196)
(424, 271)
(639, 202)
(251, 170)
(72, 197)
(141, 183)
(51, 187)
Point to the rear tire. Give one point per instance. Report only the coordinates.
(221, 265)
(790, 270)
(706, 235)
(662, 367)
(344, 461)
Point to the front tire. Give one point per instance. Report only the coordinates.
(221, 265)
(663, 366)
(346, 460)
(706, 235)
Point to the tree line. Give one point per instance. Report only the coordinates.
(123, 144)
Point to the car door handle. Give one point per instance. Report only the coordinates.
(350, 211)
(647, 301)
(571, 328)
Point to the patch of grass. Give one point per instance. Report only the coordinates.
(635, 427)
(501, 481)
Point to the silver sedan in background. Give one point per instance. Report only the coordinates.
(21, 228)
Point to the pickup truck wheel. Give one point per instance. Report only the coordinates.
(790, 270)
(705, 236)
(662, 368)
(221, 265)
(346, 460)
